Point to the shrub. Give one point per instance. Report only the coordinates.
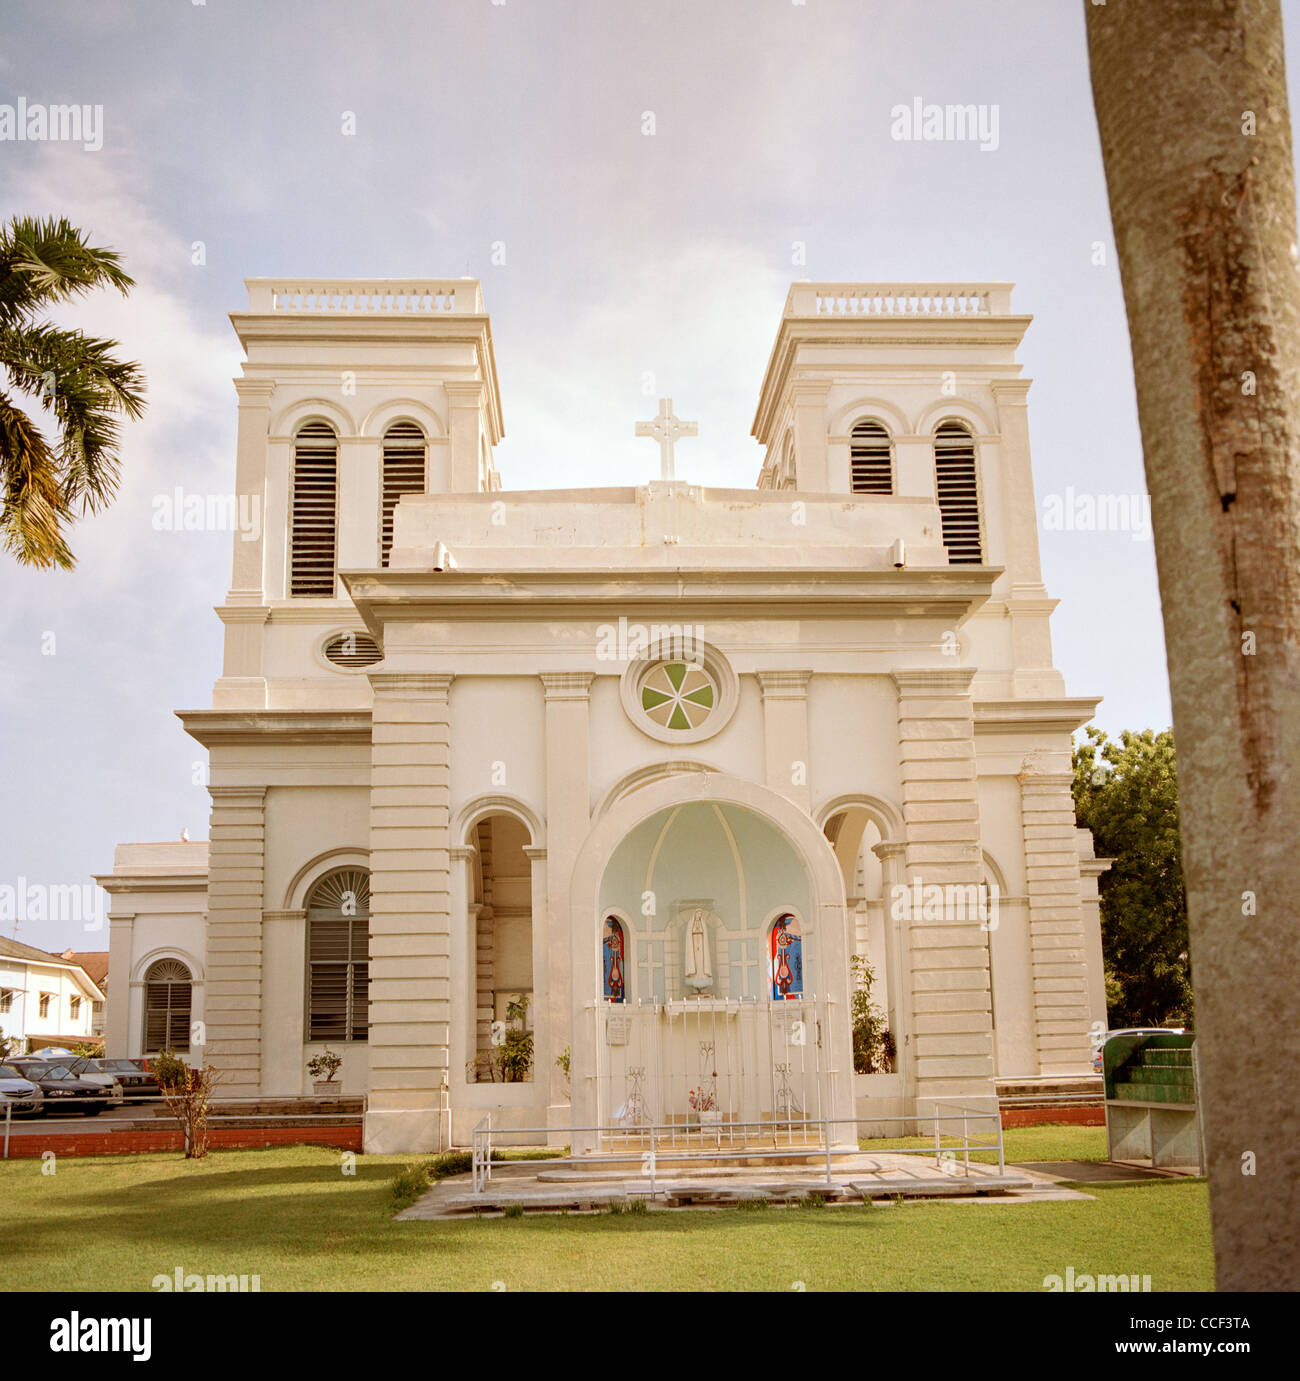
(186, 1092)
(409, 1184)
(513, 1211)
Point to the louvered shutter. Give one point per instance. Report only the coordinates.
(338, 949)
(404, 473)
(871, 460)
(167, 995)
(315, 512)
(353, 650)
(954, 468)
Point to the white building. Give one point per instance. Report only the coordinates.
(663, 758)
(46, 999)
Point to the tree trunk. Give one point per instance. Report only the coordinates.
(1205, 226)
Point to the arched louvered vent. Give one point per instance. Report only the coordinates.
(352, 650)
(404, 473)
(346, 891)
(314, 518)
(338, 956)
(959, 505)
(871, 460)
(167, 992)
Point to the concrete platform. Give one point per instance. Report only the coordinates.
(543, 1187)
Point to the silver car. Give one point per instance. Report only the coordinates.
(88, 1070)
(20, 1093)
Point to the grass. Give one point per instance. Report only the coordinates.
(292, 1217)
(1019, 1144)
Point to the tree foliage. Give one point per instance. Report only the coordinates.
(1126, 793)
(74, 379)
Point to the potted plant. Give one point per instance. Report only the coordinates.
(704, 1105)
(323, 1068)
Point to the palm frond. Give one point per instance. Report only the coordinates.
(31, 492)
(85, 388)
(43, 262)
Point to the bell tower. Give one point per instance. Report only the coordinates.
(353, 394)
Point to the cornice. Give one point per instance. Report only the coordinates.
(213, 728)
(1062, 715)
(928, 681)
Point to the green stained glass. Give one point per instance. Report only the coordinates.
(650, 698)
(703, 696)
(676, 674)
(679, 720)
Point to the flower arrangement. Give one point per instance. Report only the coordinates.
(701, 1100)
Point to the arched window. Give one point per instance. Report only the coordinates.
(338, 953)
(785, 958)
(871, 459)
(313, 520)
(167, 991)
(614, 960)
(403, 473)
(959, 504)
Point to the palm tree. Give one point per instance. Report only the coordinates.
(74, 378)
(1191, 103)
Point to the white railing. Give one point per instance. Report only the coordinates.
(743, 1142)
(365, 296)
(707, 1065)
(899, 299)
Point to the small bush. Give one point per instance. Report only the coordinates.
(409, 1184)
(617, 1206)
(812, 1201)
(513, 1211)
(749, 1205)
(638, 1206)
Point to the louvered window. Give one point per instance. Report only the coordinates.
(404, 455)
(338, 952)
(315, 512)
(871, 460)
(959, 505)
(167, 992)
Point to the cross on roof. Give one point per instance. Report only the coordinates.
(665, 428)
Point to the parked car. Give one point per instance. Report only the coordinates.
(19, 1092)
(64, 1091)
(1132, 1031)
(136, 1082)
(86, 1068)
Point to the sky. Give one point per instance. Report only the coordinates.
(508, 141)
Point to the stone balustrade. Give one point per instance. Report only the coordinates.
(365, 296)
(899, 299)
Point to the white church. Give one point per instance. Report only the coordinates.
(576, 807)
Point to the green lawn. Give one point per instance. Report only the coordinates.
(1019, 1143)
(293, 1218)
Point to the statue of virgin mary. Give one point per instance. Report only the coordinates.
(699, 964)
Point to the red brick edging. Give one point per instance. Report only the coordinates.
(1046, 1117)
(219, 1138)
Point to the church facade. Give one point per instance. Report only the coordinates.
(591, 808)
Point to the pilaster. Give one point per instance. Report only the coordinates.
(233, 1009)
(950, 990)
(410, 912)
(117, 1014)
(1057, 940)
(785, 734)
(568, 816)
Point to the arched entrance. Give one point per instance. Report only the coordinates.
(680, 891)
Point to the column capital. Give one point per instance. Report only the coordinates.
(932, 681)
(462, 853)
(784, 685)
(567, 685)
(1011, 392)
(123, 918)
(536, 853)
(299, 915)
(889, 848)
(238, 795)
(463, 393)
(412, 685)
(254, 393)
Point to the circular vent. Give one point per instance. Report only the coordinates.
(352, 650)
